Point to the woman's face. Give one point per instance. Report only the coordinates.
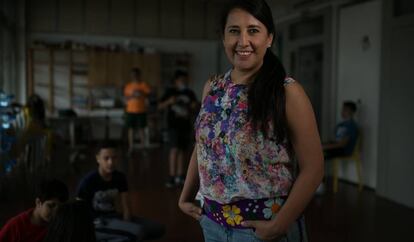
(245, 41)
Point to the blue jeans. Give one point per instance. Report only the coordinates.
(214, 232)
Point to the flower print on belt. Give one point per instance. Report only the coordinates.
(232, 215)
(272, 207)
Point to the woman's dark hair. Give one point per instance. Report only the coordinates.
(52, 189)
(266, 95)
(73, 222)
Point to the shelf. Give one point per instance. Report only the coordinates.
(80, 73)
(86, 70)
(55, 63)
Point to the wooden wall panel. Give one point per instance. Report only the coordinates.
(97, 68)
(70, 16)
(172, 21)
(122, 17)
(151, 69)
(42, 15)
(181, 19)
(126, 68)
(147, 18)
(213, 19)
(150, 65)
(194, 19)
(114, 69)
(97, 16)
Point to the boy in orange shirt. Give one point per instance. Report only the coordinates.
(136, 93)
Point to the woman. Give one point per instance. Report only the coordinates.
(254, 122)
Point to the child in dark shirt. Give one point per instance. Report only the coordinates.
(31, 225)
(102, 187)
(180, 102)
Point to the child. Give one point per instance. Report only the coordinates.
(180, 102)
(136, 93)
(102, 187)
(346, 133)
(72, 223)
(31, 225)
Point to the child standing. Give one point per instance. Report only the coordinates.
(136, 93)
(180, 102)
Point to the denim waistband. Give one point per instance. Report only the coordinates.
(231, 215)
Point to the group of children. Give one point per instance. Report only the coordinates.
(180, 104)
(54, 218)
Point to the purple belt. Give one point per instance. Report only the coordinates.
(232, 214)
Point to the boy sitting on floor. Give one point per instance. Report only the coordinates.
(31, 225)
(102, 187)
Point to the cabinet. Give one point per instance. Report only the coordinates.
(65, 78)
(113, 69)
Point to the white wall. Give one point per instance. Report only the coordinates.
(396, 153)
(359, 80)
(204, 53)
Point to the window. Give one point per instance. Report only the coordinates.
(306, 28)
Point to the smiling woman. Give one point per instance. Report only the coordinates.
(254, 123)
(245, 40)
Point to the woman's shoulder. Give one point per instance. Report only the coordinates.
(212, 83)
(288, 80)
(215, 78)
(291, 83)
(293, 90)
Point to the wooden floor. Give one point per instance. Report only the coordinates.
(344, 217)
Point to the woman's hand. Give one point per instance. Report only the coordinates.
(266, 230)
(191, 209)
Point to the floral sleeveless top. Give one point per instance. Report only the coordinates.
(234, 161)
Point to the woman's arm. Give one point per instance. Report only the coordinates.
(192, 181)
(306, 143)
(304, 136)
(191, 185)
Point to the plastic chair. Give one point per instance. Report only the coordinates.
(356, 157)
